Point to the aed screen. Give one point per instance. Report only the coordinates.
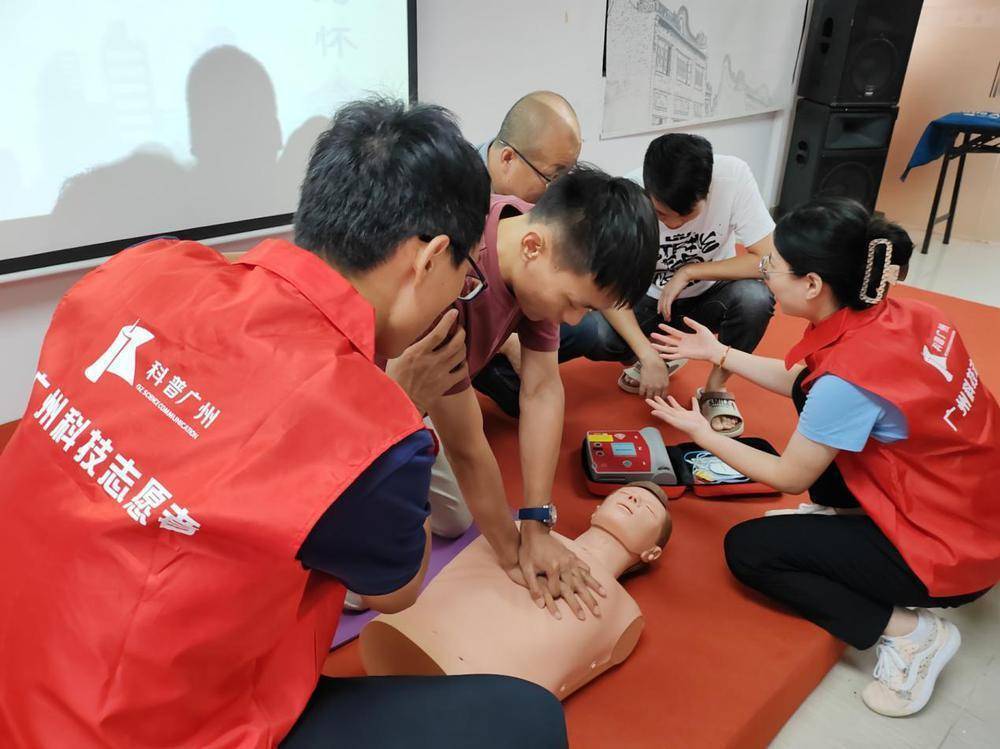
(622, 448)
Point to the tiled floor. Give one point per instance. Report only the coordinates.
(965, 709)
(962, 268)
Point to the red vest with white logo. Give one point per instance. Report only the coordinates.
(935, 494)
(189, 423)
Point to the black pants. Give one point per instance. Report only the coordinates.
(839, 572)
(437, 712)
(739, 311)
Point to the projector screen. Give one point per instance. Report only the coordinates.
(126, 119)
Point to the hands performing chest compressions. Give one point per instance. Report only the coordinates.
(473, 619)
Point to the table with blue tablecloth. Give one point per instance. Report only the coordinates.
(980, 133)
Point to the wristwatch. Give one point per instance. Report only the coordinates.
(546, 514)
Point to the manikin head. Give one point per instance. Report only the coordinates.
(590, 242)
(395, 199)
(538, 142)
(637, 516)
(677, 174)
(823, 250)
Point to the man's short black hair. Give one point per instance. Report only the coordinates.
(607, 229)
(383, 173)
(677, 170)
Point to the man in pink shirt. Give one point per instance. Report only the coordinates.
(538, 141)
(590, 243)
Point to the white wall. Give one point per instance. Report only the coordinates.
(965, 33)
(27, 304)
(25, 309)
(475, 57)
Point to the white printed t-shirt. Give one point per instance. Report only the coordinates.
(734, 212)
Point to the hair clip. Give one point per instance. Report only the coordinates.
(889, 275)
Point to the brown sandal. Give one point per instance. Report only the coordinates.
(629, 378)
(720, 403)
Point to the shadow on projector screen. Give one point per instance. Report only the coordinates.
(119, 140)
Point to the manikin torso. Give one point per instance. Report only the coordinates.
(472, 618)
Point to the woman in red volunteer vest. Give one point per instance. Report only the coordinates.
(211, 454)
(896, 443)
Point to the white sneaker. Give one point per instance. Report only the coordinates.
(806, 508)
(352, 603)
(906, 670)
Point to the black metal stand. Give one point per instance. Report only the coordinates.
(972, 142)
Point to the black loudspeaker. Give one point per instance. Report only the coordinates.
(857, 50)
(837, 151)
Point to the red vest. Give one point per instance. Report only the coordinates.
(935, 494)
(189, 423)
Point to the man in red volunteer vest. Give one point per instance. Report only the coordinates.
(896, 443)
(210, 455)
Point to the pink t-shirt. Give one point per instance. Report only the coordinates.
(491, 317)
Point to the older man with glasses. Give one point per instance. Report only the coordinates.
(538, 141)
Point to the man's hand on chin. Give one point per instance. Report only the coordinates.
(433, 365)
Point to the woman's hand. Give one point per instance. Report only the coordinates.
(690, 422)
(699, 345)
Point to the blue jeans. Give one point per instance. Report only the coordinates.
(738, 311)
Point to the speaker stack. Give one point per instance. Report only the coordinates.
(855, 58)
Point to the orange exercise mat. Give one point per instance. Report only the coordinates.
(717, 665)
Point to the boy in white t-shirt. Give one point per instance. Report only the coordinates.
(706, 204)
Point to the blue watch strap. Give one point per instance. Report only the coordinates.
(542, 514)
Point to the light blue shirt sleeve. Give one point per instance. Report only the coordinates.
(843, 416)
(483, 149)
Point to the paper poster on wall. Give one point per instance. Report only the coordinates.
(670, 64)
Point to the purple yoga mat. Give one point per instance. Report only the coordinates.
(443, 550)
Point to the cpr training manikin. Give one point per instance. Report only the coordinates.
(472, 618)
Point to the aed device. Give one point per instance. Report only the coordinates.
(613, 457)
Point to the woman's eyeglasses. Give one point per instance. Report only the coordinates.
(764, 266)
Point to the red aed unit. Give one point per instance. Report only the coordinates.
(613, 457)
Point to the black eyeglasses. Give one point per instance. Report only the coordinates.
(475, 283)
(541, 175)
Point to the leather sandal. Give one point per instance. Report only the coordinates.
(629, 378)
(721, 403)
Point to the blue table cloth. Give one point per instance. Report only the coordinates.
(940, 134)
